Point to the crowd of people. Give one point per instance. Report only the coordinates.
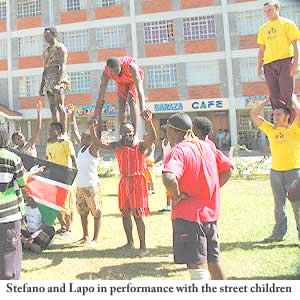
(194, 168)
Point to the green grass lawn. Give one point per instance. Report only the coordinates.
(246, 218)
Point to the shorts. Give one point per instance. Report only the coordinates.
(68, 205)
(195, 243)
(89, 200)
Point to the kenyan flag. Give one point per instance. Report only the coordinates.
(49, 189)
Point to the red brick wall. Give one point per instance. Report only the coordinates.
(3, 64)
(195, 3)
(104, 54)
(199, 46)
(3, 26)
(73, 16)
(78, 99)
(254, 88)
(30, 62)
(111, 98)
(109, 12)
(163, 94)
(248, 41)
(155, 6)
(30, 102)
(29, 22)
(164, 49)
(78, 57)
(204, 91)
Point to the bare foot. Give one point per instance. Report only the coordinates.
(127, 246)
(142, 252)
(82, 241)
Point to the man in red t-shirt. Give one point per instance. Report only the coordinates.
(129, 77)
(191, 174)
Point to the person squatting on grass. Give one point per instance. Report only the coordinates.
(88, 185)
(278, 57)
(285, 149)
(133, 194)
(11, 209)
(191, 174)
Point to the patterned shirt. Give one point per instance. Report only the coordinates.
(11, 179)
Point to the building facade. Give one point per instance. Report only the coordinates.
(199, 56)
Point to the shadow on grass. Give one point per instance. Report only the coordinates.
(255, 245)
(110, 195)
(134, 270)
(57, 257)
(283, 277)
(153, 213)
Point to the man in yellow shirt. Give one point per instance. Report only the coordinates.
(285, 149)
(61, 152)
(278, 55)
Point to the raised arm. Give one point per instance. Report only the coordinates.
(139, 86)
(100, 100)
(75, 130)
(38, 127)
(260, 61)
(255, 113)
(151, 132)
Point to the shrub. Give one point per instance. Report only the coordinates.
(108, 169)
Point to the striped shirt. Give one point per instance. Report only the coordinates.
(11, 179)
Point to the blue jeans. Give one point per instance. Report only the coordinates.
(280, 183)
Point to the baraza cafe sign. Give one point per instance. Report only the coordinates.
(188, 105)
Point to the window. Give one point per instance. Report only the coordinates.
(291, 12)
(29, 86)
(110, 37)
(73, 5)
(2, 10)
(202, 73)
(161, 76)
(111, 86)
(159, 32)
(28, 8)
(3, 49)
(106, 3)
(248, 69)
(249, 22)
(80, 83)
(76, 40)
(30, 46)
(197, 28)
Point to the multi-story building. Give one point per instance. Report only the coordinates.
(199, 56)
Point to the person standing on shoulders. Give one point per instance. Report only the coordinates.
(278, 57)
